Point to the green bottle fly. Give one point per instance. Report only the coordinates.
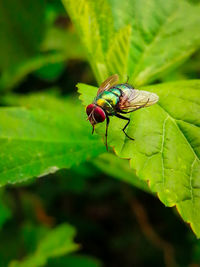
(115, 99)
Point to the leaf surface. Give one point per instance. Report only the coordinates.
(57, 242)
(142, 40)
(119, 169)
(94, 24)
(36, 141)
(22, 27)
(74, 261)
(5, 214)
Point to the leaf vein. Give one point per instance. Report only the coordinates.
(162, 149)
(154, 40)
(186, 139)
(191, 176)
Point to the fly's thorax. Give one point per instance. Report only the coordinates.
(123, 87)
(116, 91)
(108, 101)
(105, 105)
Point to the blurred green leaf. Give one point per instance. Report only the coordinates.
(166, 149)
(32, 234)
(119, 169)
(94, 23)
(189, 70)
(64, 41)
(148, 37)
(74, 261)
(13, 76)
(5, 214)
(57, 47)
(22, 27)
(35, 142)
(48, 100)
(161, 38)
(196, 251)
(57, 242)
(50, 72)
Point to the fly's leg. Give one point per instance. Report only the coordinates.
(92, 129)
(106, 135)
(127, 119)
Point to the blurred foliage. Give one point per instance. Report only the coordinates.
(140, 39)
(5, 214)
(56, 243)
(92, 208)
(22, 28)
(58, 44)
(42, 140)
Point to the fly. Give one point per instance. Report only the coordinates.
(115, 99)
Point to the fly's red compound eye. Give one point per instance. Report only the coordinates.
(99, 114)
(89, 109)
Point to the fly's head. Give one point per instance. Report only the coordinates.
(95, 114)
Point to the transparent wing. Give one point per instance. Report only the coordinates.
(108, 83)
(133, 99)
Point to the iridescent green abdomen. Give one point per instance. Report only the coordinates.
(108, 100)
(124, 87)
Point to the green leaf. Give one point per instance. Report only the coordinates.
(50, 72)
(94, 23)
(166, 149)
(74, 261)
(64, 41)
(148, 37)
(32, 234)
(58, 46)
(57, 242)
(38, 141)
(5, 214)
(118, 52)
(119, 169)
(12, 77)
(22, 27)
(167, 40)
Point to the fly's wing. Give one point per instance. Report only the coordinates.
(134, 99)
(108, 83)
